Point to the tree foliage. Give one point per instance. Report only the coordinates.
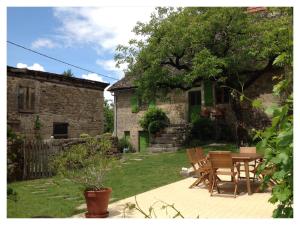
(180, 46)
(68, 73)
(277, 140)
(108, 117)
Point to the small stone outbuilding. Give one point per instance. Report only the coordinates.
(45, 105)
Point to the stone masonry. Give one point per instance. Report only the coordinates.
(57, 99)
(176, 108)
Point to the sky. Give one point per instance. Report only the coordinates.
(85, 37)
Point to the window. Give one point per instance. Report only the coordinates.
(60, 130)
(26, 99)
(127, 135)
(222, 95)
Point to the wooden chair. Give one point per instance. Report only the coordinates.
(252, 165)
(222, 160)
(200, 165)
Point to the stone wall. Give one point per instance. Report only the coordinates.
(261, 89)
(81, 108)
(175, 108)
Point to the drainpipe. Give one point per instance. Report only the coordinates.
(115, 115)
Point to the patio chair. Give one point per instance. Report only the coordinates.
(200, 165)
(252, 165)
(222, 160)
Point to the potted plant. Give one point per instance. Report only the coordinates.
(87, 164)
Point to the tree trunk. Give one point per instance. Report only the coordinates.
(241, 131)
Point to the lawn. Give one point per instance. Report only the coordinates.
(137, 173)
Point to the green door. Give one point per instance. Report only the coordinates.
(194, 105)
(143, 141)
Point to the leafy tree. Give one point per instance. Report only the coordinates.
(108, 116)
(180, 47)
(68, 73)
(277, 140)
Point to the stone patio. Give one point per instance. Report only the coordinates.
(196, 202)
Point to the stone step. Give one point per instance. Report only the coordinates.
(160, 149)
(162, 145)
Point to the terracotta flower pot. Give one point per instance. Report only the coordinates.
(97, 203)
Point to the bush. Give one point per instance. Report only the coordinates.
(203, 129)
(154, 120)
(15, 161)
(124, 143)
(86, 164)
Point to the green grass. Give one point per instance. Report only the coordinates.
(56, 197)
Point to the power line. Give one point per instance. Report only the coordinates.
(58, 60)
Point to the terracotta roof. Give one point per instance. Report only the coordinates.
(125, 83)
(55, 78)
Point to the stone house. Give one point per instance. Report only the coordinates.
(180, 107)
(42, 104)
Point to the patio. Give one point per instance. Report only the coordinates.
(196, 202)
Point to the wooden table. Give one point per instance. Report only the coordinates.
(246, 158)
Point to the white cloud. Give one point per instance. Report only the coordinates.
(43, 43)
(106, 26)
(35, 66)
(92, 76)
(96, 77)
(110, 65)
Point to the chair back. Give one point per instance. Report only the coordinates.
(247, 149)
(200, 153)
(220, 159)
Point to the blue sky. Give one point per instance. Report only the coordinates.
(86, 37)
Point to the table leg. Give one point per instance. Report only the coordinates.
(247, 177)
(210, 180)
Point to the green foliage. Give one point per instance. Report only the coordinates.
(276, 141)
(14, 156)
(108, 117)
(154, 120)
(203, 129)
(37, 123)
(181, 46)
(68, 73)
(85, 164)
(12, 194)
(124, 143)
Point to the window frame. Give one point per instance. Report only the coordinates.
(28, 99)
(60, 136)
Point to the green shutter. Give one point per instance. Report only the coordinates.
(208, 93)
(134, 102)
(143, 141)
(127, 135)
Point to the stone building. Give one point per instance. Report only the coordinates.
(42, 104)
(180, 107)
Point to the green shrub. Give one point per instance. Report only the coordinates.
(203, 129)
(154, 120)
(86, 164)
(15, 156)
(124, 143)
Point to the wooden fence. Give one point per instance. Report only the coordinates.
(37, 155)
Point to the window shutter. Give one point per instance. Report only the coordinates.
(21, 98)
(134, 104)
(208, 93)
(32, 98)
